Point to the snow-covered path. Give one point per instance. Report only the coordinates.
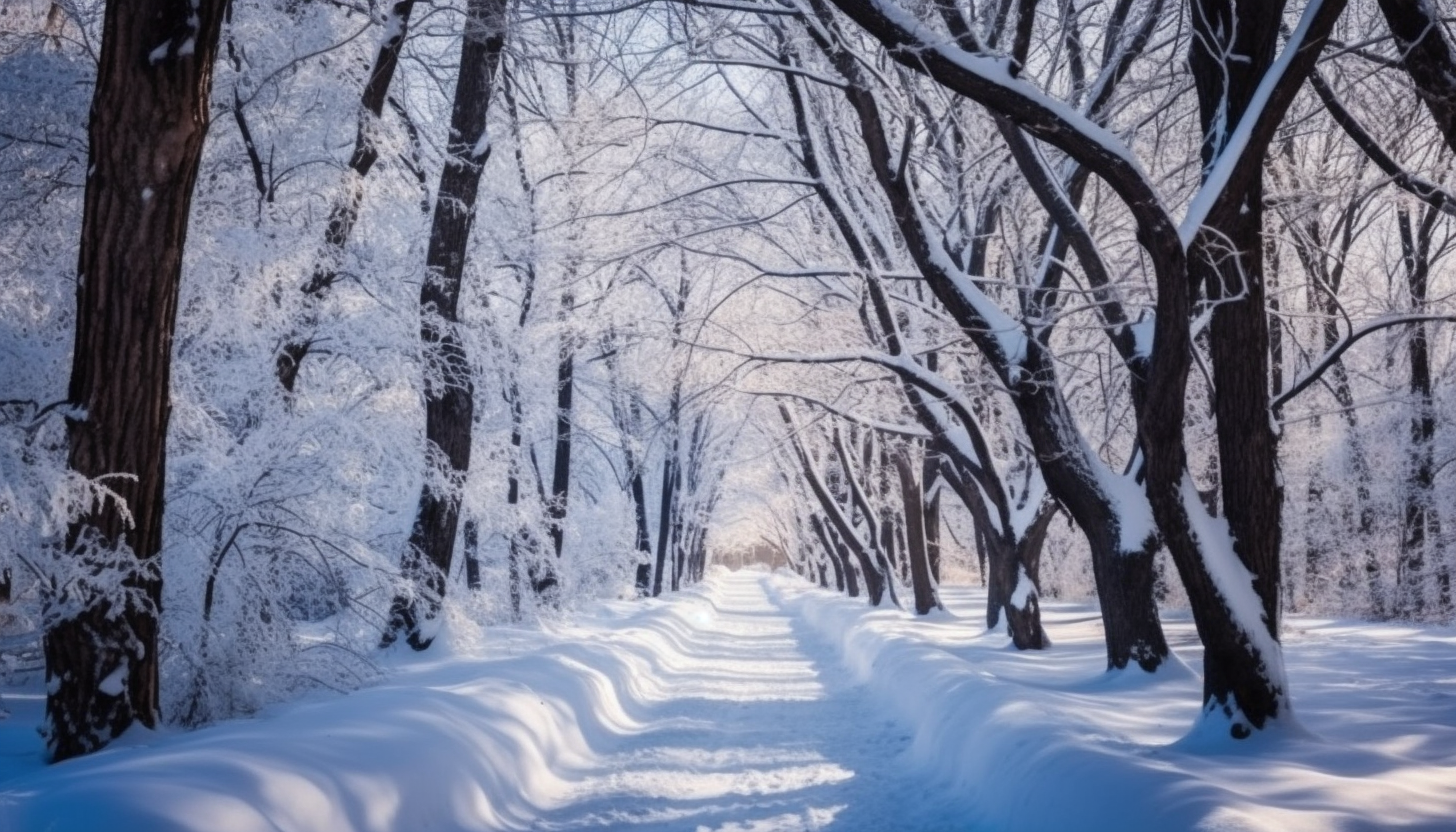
(712, 710)
(763, 730)
(758, 702)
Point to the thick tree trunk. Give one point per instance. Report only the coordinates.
(149, 116)
(1228, 261)
(1008, 557)
(449, 384)
(1243, 682)
(345, 212)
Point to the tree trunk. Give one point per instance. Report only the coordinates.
(930, 498)
(1232, 49)
(1007, 559)
(1420, 517)
(831, 553)
(1243, 680)
(345, 212)
(472, 555)
(149, 116)
(561, 466)
(664, 512)
(449, 384)
(643, 545)
(916, 539)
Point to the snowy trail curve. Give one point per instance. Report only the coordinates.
(761, 729)
(715, 709)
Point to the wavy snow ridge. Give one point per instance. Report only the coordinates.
(1045, 742)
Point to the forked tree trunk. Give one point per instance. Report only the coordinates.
(1009, 554)
(149, 116)
(449, 384)
(916, 539)
(1232, 49)
(830, 553)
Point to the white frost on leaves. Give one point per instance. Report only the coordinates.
(1238, 141)
(1235, 583)
(115, 682)
(1025, 590)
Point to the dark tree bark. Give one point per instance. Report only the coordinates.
(635, 486)
(1420, 517)
(873, 544)
(916, 540)
(930, 499)
(561, 466)
(1007, 555)
(472, 555)
(1242, 678)
(837, 524)
(345, 211)
(1122, 569)
(831, 553)
(667, 495)
(1420, 39)
(449, 384)
(149, 117)
(1232, 50)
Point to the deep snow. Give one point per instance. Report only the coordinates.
(756, 702)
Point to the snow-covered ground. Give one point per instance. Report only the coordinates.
(756, 702)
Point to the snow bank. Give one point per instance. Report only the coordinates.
(463, 743)
(1050, 742)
